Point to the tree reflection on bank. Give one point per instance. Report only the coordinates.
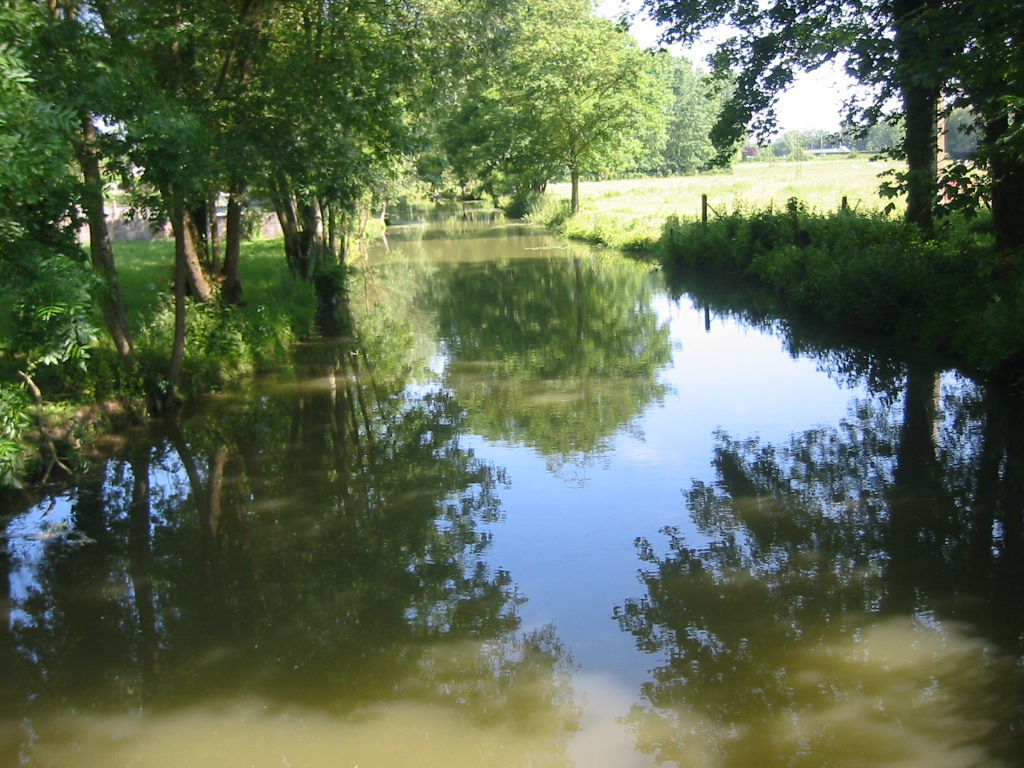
(315, 543)
(858, 603)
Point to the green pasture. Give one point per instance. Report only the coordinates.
(630, 213)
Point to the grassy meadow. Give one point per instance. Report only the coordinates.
(630, 213)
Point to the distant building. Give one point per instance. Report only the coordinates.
(842, 149)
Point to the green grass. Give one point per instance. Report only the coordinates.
(224, 344)
(630, 213)
(146, 272)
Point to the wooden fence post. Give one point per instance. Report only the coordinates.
(704, 210)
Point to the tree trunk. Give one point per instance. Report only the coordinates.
(920, 88)
(180, 279)
(199, 286)
(100, 249)
(575, 202)
(1006, 171)
(231, 291)
(213, 235)
(921, 108)
(201, 229)
(287, 215)
(328, 212)
(312, 237)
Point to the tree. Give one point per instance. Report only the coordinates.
(580, 93)
(892, 46)
(47, 291)
(690, 114)
(571, 93)
(69, 60)
(984, 73)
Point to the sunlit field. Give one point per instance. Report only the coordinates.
(821, 183)
(630, 212)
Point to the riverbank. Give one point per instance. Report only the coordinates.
(857, 265)
(224, 345)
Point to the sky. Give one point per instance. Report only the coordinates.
(813, 102)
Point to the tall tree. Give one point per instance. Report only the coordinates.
(67, 59)
(985, 73)
(580, 93)
(689, 116)
(888, 44)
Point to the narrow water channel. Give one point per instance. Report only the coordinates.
(529, 503)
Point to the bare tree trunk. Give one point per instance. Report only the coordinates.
(100, 249)
(311, 236)
(575, 202)
(180, 279)
(287, 215)
(921, 91)
(199, 286)
(231, 292)
(1007, 174)
(921, 110)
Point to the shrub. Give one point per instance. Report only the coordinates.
(15, 422)
(950, 294)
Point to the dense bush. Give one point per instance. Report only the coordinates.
(950, 293)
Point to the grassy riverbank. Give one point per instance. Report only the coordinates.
(224, 345)
(781, 226)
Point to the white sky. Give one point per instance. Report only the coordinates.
(813, 102)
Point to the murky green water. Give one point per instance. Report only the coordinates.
(536, 505)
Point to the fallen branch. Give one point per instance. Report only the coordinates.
(49, 448)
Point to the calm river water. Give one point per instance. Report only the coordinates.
(528, 503)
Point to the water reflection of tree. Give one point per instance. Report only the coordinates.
(556, 353)
(323, 548)
(860, 599)
(847, 357)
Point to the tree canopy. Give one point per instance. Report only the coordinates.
(193, 115)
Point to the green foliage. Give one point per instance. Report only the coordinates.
(625, 233)
(53, 313)
(690, 112)
(871, 272)
(331, 283)
(555, 90)
(15, 422)
(551, 211)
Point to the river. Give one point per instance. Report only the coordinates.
(526, 502)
